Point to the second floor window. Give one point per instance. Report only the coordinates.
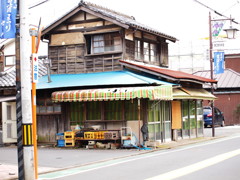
(150, 52)
(145, 51)
(137, 49)
(104, 43)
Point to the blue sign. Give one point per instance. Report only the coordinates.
(218, 62)
(8, 11)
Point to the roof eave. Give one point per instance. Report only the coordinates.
(173, 39)
(164, 75)
(59, 21)
(76, 10)
(148, 71)
(104, 17)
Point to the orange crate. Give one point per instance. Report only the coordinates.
(69, 142)
(69, 135)
(102, 134)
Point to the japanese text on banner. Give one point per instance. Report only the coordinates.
(8, 12)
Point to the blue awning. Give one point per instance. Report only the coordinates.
(98, 79)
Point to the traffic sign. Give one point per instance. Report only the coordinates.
(34, 68)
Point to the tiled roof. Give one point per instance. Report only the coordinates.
(167, 73)
(228, 79)
(116, 16)
(8, 77)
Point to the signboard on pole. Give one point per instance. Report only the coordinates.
(8, 12)
(218, 62)
(35, 68)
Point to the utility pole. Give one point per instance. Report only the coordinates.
(23, 96)
(211, 72)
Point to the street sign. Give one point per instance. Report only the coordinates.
(218, 62)
(8, 12)
(34, 68)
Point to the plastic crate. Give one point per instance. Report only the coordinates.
(59, 136)
(111, 135)
(60, 143)
(89, 135)
(100, 134)
(69, 135)
(69, 142)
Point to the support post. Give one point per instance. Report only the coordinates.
(34, 114)
(23, 96)
(18, 99)
(211, 70)
(139, 121)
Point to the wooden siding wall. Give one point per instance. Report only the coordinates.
(67, 48)
(70, 60)
(227, 103)
(48, 126)
(1, 61)
(130, 50)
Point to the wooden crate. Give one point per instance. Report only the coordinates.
(69, 142)
(69, 135)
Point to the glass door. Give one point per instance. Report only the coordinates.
(186, 119)
(166, 120)
(199, 118)
(154, 123)
(159, 122)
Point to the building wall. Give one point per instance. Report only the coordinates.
(227, 103)
(233, 62)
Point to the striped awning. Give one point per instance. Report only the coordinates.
(163, 92)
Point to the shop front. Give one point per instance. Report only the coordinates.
(115, 108)
(191, 111)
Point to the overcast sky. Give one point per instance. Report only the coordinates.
(186, 20)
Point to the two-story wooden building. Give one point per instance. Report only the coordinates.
(110, 70)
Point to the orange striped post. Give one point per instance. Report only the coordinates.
(34, 114)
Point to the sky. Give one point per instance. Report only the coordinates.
(186, 20)
(183, 19)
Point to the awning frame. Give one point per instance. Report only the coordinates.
(163, 92)
(191, 93)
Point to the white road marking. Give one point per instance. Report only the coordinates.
(195, 167)
(78, 170)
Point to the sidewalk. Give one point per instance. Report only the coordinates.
(10, 171)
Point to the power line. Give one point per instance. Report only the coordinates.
(37, 4)
(232, 6)
(216, 12)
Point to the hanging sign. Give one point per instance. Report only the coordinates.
(34, 68)
(217, 27)
(8, 12)
(218, 62)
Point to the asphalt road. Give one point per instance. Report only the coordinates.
(216, 159)
(100, 162)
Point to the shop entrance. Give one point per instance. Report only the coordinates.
(159, 121)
